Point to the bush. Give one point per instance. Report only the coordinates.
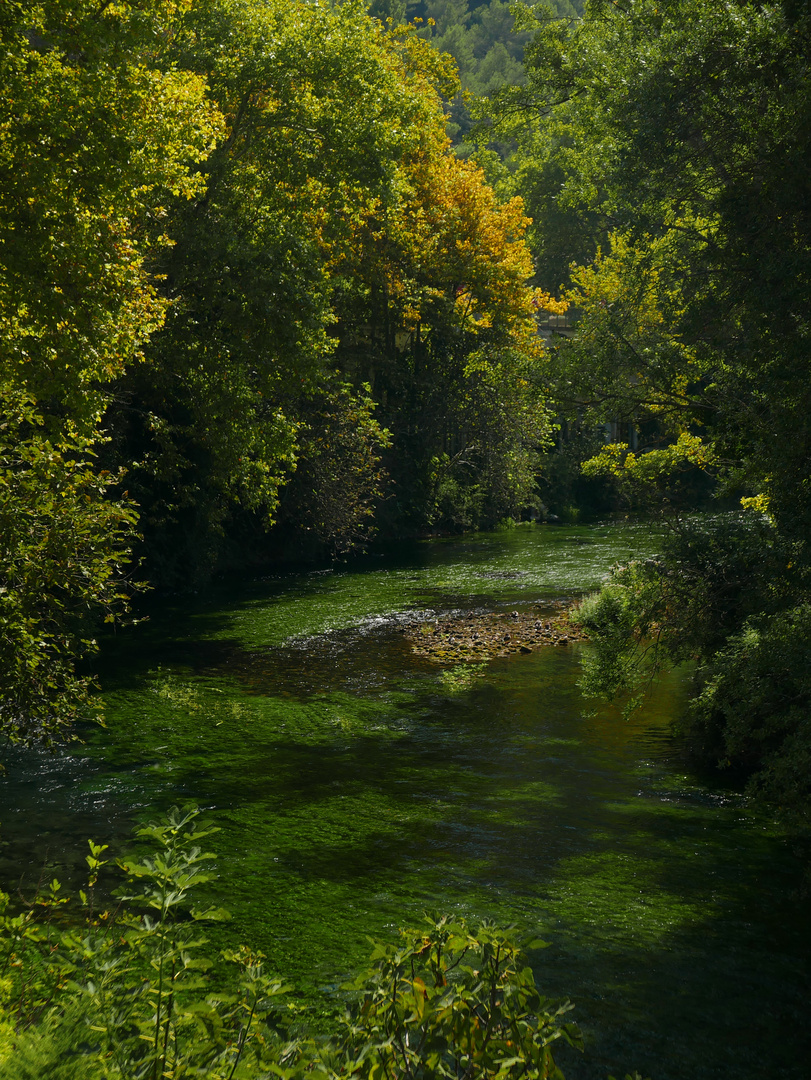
(89, 994)
(723, 595)
(124, 992)
(756, 706)
(450, 1003)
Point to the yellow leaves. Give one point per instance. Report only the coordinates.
(435, 71)
(759, 503)
(439, 246)
(616, 459)
(455, 237)
(174, 126)
(625, 281)
(611, 460)
(544, 301)
(694, 450)
(639, 282)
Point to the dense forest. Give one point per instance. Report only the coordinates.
(278, 277)
(247, 287)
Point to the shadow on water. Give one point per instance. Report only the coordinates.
(357, 786)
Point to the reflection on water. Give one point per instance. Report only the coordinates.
(356, 787)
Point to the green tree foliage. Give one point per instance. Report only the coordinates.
(480, 40)
(438, 319)
(689, 127)
(679, 134)
(64, 550)
(486, 44)
(128, 992)
(232, 229)
(311, 136)
(339, 478)
(335, 222)
(98, 133)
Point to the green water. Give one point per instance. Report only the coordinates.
(357, 786)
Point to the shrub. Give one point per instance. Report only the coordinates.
(90, 994)
(725, 594)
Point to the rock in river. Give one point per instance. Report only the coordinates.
(482, 636)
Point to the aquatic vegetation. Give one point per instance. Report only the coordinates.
(127, 991)
(461, 677)
(355, 789)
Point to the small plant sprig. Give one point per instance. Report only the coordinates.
(448, 1002)
(133, 982)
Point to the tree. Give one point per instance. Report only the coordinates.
(335, 219)
(684, 124)
(486, 44)
(313, 143)
(64, 554)
(682, 128)
(339, 481)
(98, 132)
(438, 318)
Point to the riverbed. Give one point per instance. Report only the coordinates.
(358, 784)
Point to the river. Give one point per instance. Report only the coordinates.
(357, 785)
